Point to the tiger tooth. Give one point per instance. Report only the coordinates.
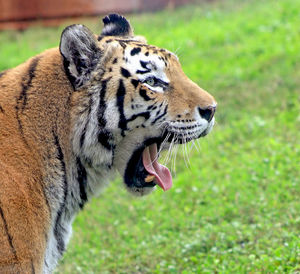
(149, 178)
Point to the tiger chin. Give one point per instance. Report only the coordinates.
(73, 116)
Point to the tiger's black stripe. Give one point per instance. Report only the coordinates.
(8, 235)
(135, 51)
(27, 85)
(125, 72)
(145, 114)
(58, 229)
(135, 82)
(82, 137)
(2, 73)
(160, 116)
(143, 94)
(82, 181)
(45, 262)
(102, 105)
(152, 107)
(1, 109)
(104, 136)
(32, 267)
(143, 71)
(71, 78)
(120, 104)
(22, 100)
(100, 38)
(122, 44)
(144, 65)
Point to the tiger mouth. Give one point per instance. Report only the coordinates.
(143, 169)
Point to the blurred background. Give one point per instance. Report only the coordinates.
(19, 14)
(234, 206)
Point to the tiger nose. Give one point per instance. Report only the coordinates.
(207, 113)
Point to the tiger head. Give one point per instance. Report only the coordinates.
(131, 101)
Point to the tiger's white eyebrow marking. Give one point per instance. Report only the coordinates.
(144, 66)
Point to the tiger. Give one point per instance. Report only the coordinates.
(74, 116)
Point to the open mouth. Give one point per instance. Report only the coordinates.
(143, 172)
(143, 169)
(159, 174)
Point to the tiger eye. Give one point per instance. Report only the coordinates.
(150, 81)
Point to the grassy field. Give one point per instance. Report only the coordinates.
(236, 208)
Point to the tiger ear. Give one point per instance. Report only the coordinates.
(116, 25)
(80, 53)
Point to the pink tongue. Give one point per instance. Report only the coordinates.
(162, 174)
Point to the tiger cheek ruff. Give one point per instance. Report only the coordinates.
(73, 116)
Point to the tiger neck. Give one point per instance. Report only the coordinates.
(83, 156)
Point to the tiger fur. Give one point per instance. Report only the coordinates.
(70, 118)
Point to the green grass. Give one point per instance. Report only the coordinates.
(236, 208)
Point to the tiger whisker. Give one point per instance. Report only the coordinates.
(169, 150)
(173, 151)
(174, 159)
(161, 147)
(193, 144)
(183, 151)
(164, 142)
(183, 154)
(163, 124)
(186, 152)
(197, 144)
